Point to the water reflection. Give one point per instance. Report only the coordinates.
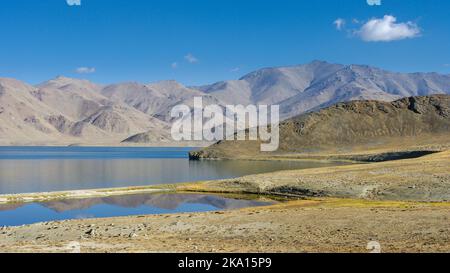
(18, 214)
(163, 201)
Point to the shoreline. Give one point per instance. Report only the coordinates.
(129, 190)
(224, 185)
(75, 194)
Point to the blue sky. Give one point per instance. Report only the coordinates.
(203, 41)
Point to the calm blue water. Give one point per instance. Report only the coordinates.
(27, 153)
(20, 214)
(41, 169)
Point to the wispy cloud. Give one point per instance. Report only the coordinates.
(85, 70)
(191, 58)
(174, 65)
(235, 69)
(387, 29)
(339, 23)
(73, 2)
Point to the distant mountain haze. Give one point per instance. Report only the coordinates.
(298, 89)
(65, 110)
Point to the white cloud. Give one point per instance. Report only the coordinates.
(85, 70)
(339, 23)
(174, 65)
(73, 2)
(191, 58)
(235, 69)
(387, 29)
(447, 65)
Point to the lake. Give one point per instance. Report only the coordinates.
(42, 169)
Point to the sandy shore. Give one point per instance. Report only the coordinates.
(332, 225)
(74, 194)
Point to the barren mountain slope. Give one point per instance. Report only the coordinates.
(156, 99)
(64, 111)
(356, 82)
(339, 128)
(22, 117)
(318, 84)
(76, 99)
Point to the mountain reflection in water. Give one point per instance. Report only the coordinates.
(26, 213)
(163, 201)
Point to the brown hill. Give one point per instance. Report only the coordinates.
(353, 126)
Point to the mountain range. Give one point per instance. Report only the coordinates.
(73, 111)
